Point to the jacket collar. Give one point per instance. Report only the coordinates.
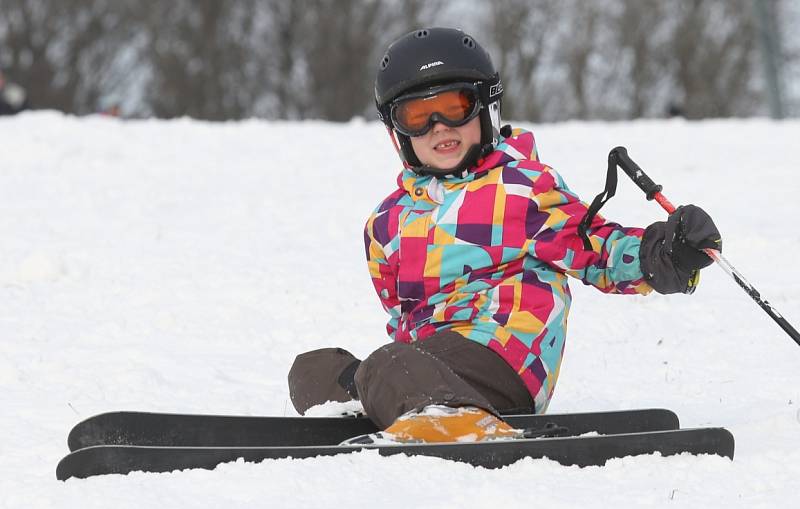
(520, 146)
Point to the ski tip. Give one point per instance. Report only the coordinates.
(89, 461)
(62, 469)
(727, 443)
(76, 436)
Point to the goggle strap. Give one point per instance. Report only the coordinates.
(490, 90)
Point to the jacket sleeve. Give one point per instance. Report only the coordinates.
(612, 263)
(383, 277)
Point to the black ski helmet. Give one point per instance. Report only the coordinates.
(435, 56)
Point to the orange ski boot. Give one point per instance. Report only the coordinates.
(441, 424)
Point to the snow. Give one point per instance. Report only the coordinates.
(180, 266)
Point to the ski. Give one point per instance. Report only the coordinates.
(582, 451)
(187, 430)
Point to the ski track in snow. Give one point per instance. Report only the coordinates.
(180, 266)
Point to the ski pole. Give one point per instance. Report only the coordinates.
(619, 157)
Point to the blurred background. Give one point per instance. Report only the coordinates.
(316, 59)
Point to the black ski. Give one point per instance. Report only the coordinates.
(581, 451)
(180, 430)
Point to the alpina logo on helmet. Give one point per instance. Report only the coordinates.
(432, 64)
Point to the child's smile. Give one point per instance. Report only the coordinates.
(447, 146)
(444, 147)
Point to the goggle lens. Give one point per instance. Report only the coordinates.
(413, 117)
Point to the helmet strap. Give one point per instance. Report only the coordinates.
(488, 131)
(407, 153)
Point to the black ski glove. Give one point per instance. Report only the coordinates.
(671, 255)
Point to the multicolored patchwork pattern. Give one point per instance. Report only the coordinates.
(487, 254)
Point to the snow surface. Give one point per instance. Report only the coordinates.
(180, 266)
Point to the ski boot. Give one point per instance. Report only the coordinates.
(441, 424)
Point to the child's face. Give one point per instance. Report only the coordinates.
(444, 147)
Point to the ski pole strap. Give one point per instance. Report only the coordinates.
(617, 157)
(599, 201)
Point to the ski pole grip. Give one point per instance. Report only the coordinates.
(619, 156)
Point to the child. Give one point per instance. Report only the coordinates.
(470, 258)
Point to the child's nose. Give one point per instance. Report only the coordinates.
(439, 126)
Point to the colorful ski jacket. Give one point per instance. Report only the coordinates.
(487, 255)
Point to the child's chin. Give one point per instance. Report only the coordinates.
(446, 162)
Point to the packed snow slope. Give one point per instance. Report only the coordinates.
(180, 266)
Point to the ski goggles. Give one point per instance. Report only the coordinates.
(453, 105)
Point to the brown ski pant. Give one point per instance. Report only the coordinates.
(444, 369)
